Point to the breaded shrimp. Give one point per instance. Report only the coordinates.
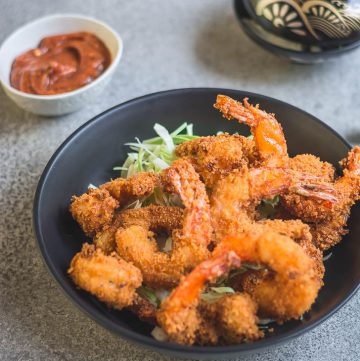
(300, 233)
(158, 219)
(137, 243)
(235, 197)
(93, 210)
(330, 231)
(108, 278)
(236, 318)
(154, 217)
(327, 224)
(182, 179)
(311, 210)
(160, 269)
(207, 332)
(313, 165)
(135, 187)
(291, 285)
(230, 320)
(214, 157)
(186, 323)
(267, 131)
(272, 150)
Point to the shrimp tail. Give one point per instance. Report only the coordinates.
(267, 131)
(188, 292)
(321, 192)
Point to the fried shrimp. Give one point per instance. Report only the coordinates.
(137, 243)
(186, 320)
(135, 187)
(267, 131)
(178, 315)
(330, 231)
(298, 232)
(235, 197)
(93, 210)
(291, 285)
(308, 209)
(214, 157)
(230, 320)
(109, 278)
(182, 179)
(158, 219)
(237, 320)
(327, 223)
(272, 150)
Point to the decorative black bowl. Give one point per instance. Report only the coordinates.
(89, 155)
(298, 30)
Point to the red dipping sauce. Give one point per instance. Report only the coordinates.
(60, 64)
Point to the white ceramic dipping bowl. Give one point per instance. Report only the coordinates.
(29, 36)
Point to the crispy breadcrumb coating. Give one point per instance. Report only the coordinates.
(302, 207)
(214, 157)
(93, 210)
(237, 320)
(135, 187)
(300, 233)
(108, 278)
(291, 287)
(159, 219)
(328, 224)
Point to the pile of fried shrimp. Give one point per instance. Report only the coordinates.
(274, 267)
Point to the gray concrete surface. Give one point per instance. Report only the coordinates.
(168, 44)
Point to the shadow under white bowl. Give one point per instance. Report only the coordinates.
(29, 36)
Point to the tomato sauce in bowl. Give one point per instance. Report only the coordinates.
(60, 64)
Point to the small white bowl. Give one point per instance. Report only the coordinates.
(29, 36)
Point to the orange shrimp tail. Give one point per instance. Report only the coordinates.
(267, 182)
(189, 289)
(319, 191)
(186, 183)
(267, 131)
(230, 109)
(237, 244)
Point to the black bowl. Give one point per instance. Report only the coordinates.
(89, 155)
(287, 47)
(326, 23)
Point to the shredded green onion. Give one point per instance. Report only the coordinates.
(168, 245)
(155, 154)
(267, 207)
(149, 294)
(216, 293)
(264, 323)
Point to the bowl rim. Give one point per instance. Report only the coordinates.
(111, 325)
(108, 71)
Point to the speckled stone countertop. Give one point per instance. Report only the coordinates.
(168, 44)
